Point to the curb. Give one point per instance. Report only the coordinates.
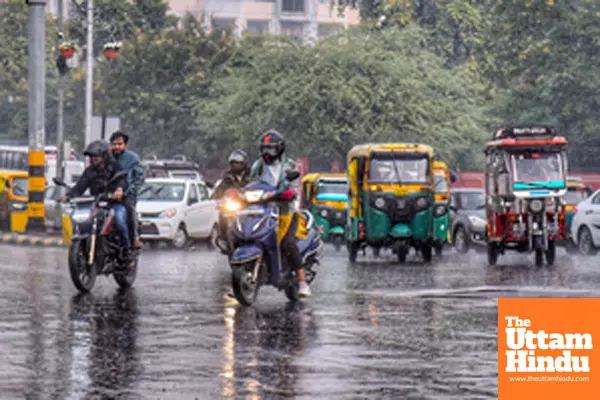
(14, 238)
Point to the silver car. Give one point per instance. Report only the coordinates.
(53, 209)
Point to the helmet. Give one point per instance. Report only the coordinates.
(240, 157)
(272, 146)
(97, 148)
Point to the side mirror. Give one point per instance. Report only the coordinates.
(452, 177)
(58, 181)
(291, 175)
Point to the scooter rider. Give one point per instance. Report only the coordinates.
(271, 167)
(95, 177)
(236, 177)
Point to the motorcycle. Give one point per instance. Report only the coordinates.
(256, 259)
(96, 247)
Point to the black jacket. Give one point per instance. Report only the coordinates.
(96, 179)
(230, 181)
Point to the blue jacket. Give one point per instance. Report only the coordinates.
(130, 162)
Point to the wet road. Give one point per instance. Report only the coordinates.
(371, 330)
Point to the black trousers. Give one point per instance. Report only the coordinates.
(289, 246)
(132, 219)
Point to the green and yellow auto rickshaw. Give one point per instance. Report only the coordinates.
(391, 199)
(577, 191)
(441, 221)
(326, 196)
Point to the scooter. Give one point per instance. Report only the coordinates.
(256, 259)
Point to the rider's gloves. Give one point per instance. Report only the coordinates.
(288, 195)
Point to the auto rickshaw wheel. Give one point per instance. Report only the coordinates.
(551, 253)
(439, 249)
(402, 251)
(492, 253)
(352, 251)
(427, 252)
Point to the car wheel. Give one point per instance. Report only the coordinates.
(180, 239)
(586, 243)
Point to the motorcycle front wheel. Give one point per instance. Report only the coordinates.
(82, 274)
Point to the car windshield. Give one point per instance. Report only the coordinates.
(472, 201)
(398, 170)
(332, 188)
(575, 196)
(162, 191)
(441, 184)
(537, 167)
(186, 175)
(20, 186)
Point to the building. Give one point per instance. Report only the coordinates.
(309, 19)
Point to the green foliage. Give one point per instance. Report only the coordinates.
(355, 88)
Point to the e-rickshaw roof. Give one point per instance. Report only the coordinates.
(440, 165)
(365, 150)
(523, 137)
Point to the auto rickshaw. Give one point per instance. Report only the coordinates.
(391, 199)
(441, 221)
(14, 195)
(577, 191)
(326, 196)
(525, 181)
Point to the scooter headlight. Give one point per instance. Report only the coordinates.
(536, 205)
(254, 195)
(232, 205)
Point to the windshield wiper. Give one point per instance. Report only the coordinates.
(397, 172)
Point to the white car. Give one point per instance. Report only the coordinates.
(175, 210)
(585, 227)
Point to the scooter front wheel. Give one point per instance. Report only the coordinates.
(244, 290)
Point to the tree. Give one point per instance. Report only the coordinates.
(349, 89)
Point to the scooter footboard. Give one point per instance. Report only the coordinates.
(245, 254)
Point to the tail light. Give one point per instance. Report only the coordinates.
(361, 230)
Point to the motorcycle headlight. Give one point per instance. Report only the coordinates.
(440, 210)
(81, 216)
(421, 203)
(536, 205)
(380, 203)
(168, 213)
(232, 205)
(477, 221)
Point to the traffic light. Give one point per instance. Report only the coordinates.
(61, 63)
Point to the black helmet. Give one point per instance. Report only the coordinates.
(97, 148)
(238, 156)
(272, 146)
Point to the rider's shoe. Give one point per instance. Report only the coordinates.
(304, 290)
(138, 244)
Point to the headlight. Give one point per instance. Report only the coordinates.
(536, 205)
(339, 215)
(254, 195)
(421, 203)
(440, 210)
(232, 205)
(168, 213)
(475, 220)
(380, 203)
(81, 215)
(323, 213)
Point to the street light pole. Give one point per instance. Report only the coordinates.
(61, 106)
(89, 87)
(36, 109)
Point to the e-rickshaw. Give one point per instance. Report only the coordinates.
(525, 181)
(391, 199)
(325, 195)
(441, 221)
(14, 195)
(577, 191)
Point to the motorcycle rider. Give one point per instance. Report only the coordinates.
(271, 167)
(130, 162)
(95, 177)
(236, 177)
